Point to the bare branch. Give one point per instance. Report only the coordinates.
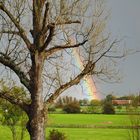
(45, 15)
(6, 60)
(88, 68)
(49, 89)
(49, 38)
(51, 28)
(117, 56)
(104, 53)
(10, 32)
(58, 48)
(16, 23)
(68, 22)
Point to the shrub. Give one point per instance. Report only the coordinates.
(52, 109)
(72, 108)
(108, 108)
(94, 109)
(95, 102)
(56, 135)
(119, 107)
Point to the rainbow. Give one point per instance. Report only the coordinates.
(88, 85)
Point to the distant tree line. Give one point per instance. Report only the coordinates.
(105, 106)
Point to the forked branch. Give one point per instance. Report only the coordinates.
(61, 47)
(49, 38)
(88, 68)
(105, 52)
(16, 23)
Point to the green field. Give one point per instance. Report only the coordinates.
(94, 134)
(78, 134)
(84, 120)
(88, 119)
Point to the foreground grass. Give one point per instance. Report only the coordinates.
(94, 134)
(77, 134)
(82, 133)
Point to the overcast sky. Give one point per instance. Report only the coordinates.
(124, 22)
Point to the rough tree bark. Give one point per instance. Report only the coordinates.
(36, 123)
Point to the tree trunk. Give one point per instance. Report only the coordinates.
(36, 125)
(36, 113)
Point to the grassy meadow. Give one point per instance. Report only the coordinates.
(94, 134)
(88, 119)
(77, 133)
(77, 127)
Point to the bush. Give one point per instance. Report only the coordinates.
(56, 135)
(52, 109)
(72, 108)
(108, 108)
(119, 107)
(94, 109)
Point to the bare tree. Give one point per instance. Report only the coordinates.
(37, 41)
